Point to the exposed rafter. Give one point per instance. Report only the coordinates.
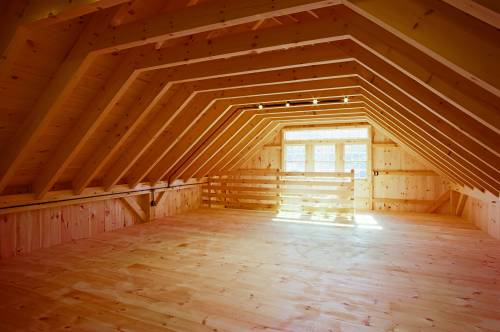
(199, 64)
(212, 152)
(95, 41)
(417, 21)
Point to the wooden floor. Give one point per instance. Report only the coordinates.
(229, 270)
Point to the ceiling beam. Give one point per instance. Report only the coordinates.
(62, 84)
(359, 52)
(172, 53)
(235, 154)
(88, 122)
(457, 146)
(341, 25)
(372, 61)
(18, 17)
(211, 153)
(183, 122)
(200, 147)
(249, 137)
(324, 119)
(144, 104)
(443, 32)
(150, 132)
(380, 64)
(430, 102)
(156, 91)
(203, 17)
(200, 132)
(487, 11)
(106, 100)
(166, 26)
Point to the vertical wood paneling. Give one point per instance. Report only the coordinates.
(96, 217)
(83, 217)
(119, 216)
(109, 214)
(484, 214)
(269, 157)
(66, 220)
(410, 187)
(50, 220)
(27, 232)
(8, 236)
(178, 200)
(24, 232)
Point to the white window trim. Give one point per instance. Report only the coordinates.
(339, 148)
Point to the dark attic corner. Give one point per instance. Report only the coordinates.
(264, 165)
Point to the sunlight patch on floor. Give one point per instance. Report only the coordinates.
(312, 222)
(361, 221)
(366, 221)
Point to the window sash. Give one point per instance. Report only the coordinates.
(356, 157)
(324, 157)
(295, 158)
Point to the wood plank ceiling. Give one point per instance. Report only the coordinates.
(106, 94)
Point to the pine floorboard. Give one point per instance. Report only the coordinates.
(236, 270)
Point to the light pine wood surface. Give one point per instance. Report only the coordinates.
(98, 95)
(27, 231)
(235, 270)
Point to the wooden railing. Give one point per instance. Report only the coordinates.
(309, 192)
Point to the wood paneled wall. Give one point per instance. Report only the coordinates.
(484, 214)
(179, 200)
(404, 182)
(408, 185)
(24, 232)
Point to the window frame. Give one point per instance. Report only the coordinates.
(356, 161)
(313, 154)
(284, 155)
(339, 147)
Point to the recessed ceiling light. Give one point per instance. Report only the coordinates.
(287, 104)
(261, 106)
(315, 101)
(346, 99)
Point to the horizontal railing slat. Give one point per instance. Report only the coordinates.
(275, 190)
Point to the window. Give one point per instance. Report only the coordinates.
(326, 134)
(327, 149)
(324, 158)
(355, 157)
(295, 158)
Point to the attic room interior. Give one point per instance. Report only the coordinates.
(264, 165)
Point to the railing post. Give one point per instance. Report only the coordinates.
(352, 192)
(209, 190)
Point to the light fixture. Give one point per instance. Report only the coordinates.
(287, 104)
(346, 100)
(315, 101)
(261, 106)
